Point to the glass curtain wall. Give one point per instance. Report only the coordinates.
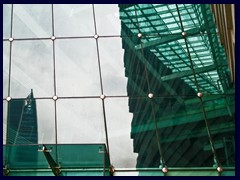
(109, 87)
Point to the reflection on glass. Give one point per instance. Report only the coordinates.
(5, 68)
(22, 123)
(32, 21)
(73, 20)
(80, 121)
(107, 19)
(119, 119)
(32, 68)
(183, 133)
(6, 20)
(77, 68)
(31, 121)
(112, 66)
(222, 127)
(26, 157)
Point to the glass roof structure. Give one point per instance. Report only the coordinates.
(118, 89)
(184, 38)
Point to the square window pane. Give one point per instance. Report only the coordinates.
(6, 20)
(32, 68)
(73, 20)
(32, 20)
(107, 19)
(6, 46)
(80, 121)
(112, 66)
(31, 121)
(77, 70)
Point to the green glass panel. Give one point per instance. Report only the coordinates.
(76, 156)
(223, 130)
(31, 173)
(24, 156)
(5, 110)
(67, 156)
(192, 172)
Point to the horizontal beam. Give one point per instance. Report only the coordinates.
(188, 73)
(225, 127)
(182, 118)
(169, 38)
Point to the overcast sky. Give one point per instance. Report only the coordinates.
(77, 74)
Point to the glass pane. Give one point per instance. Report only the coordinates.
(81, 155)
(32, 21)
(6, 20)
(73, 20)
(112, 66)
(222, 126)
(80, 121)
(26, 156)
(77, 70)
(31, 121)
(107, 19)
(183, 132)
(119, 129)
(46, 121)
(6, 46)
(68, 156)
(32, 68)
(5, 107)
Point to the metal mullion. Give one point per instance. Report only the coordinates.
(101, 83)
(152, 105)
(9, 80)
(203, 108)
(54, 80)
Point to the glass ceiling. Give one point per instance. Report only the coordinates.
(184, 38)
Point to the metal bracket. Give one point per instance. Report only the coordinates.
(5, 171)
(44, 149)
(54, 166)
(111, 170)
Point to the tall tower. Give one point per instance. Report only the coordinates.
(22, 136)
(22, 123)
